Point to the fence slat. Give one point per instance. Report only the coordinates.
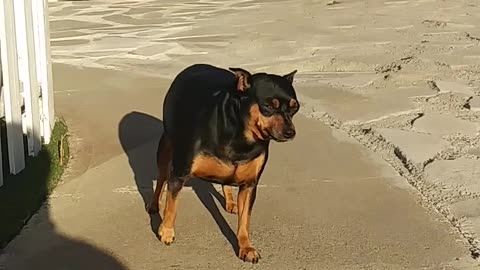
(44, 66)
(11, 87)
(1, 109)
(28, 73)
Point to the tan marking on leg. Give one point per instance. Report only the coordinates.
(247, 174)
(166, 230)
(247, 252)
(230, 204)
(164, 158)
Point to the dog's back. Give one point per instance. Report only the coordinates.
(191, 93)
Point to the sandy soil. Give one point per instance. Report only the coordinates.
(400, 79)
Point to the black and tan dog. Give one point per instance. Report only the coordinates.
(217, 127)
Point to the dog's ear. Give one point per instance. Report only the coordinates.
(243, 78)
(290, 76)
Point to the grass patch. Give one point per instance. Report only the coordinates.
(23, 194)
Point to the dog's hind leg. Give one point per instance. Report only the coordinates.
(230, 204)
(167, 228)
(164, 159)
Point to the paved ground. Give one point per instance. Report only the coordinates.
(382, 174)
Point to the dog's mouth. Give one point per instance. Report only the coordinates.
(268, 135)
(280, 139)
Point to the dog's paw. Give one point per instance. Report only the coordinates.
(249, 254)
(231, 208)
(166, 235)
(152, 208)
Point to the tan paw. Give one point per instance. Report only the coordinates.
(249, 254)
(231, 208)
(167, 235)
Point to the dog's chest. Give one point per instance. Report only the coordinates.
(238, 173)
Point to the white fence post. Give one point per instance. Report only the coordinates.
(28, 73)
(13, 115)
(25, 63)
(1, 104)
(44, 66)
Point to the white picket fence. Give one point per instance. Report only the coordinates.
(25, 79)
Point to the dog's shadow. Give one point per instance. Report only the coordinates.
(139, 134)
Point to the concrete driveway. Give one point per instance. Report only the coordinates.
(348, 193)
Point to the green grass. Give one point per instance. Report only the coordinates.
(23, 194)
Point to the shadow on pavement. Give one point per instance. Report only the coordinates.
(38, 244)
(139, 134)
(41, 247)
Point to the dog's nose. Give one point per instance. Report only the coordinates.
(289, 133)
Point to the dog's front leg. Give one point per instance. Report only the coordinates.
(245, 201)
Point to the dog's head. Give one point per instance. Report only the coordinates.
(272, 103)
